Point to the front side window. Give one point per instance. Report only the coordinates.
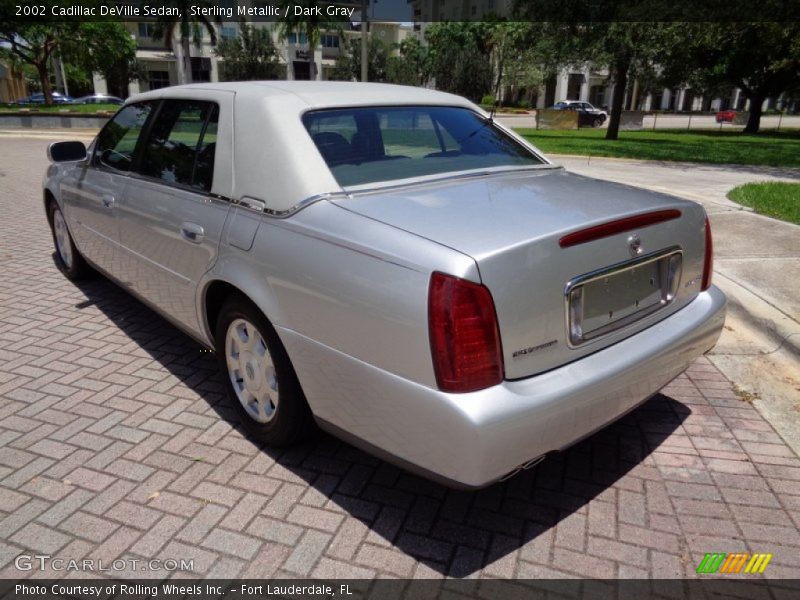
(376, 144)
(117, 141)
(180, 144)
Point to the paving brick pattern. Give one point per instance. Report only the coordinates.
(116, 442)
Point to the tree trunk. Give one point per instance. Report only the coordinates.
(754, 120)
(620, 83)
(44, 78)
(187, 60)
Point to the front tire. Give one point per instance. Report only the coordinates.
(259, 376)
(68, 257)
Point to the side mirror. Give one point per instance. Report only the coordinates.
(66, 151)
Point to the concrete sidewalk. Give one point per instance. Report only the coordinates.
(756, 263)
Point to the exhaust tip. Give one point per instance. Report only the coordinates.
(526, 466)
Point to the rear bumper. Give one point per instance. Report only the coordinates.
(471, 440)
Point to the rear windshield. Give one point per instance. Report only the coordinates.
(372, 144)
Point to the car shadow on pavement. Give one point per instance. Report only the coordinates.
(454, 533)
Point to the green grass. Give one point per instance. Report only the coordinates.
(775, 199)
(57, 108)
(775, 149)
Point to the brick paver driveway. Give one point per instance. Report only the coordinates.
(115, 442)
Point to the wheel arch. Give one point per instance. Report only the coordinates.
(217, 290)
(48, 198)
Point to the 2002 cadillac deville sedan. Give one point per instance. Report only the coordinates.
(389, 263)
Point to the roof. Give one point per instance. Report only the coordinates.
(274, 160)
(319, 93)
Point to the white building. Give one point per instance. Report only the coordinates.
(165, 67)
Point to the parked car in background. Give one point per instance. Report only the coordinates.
(38, 98)
(98, 99)
(726, 116)
(588, 115)
(391, 264)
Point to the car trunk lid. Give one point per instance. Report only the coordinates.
(557, 301)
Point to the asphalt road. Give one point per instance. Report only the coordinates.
(677, 121)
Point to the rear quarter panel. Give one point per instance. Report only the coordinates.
(345, 282)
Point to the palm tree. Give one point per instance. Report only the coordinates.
(311, 26)
(190, 28)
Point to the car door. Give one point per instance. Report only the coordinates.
(172, 217)
(92, 194)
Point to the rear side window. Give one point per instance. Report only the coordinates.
(117, 142)
(181, 144)
(375, 144)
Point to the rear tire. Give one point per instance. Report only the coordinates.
(68, 257)
(259, 376)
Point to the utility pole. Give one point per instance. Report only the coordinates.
(364, 25)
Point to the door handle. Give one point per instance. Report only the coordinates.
(108, 200)
(192, 232)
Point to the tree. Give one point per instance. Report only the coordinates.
(348, 63)
(249, 56)
(412, 66)
(190, 28)
(762, 59)
(33, 43)
(518, 61)
(104, 47)
(460, 57)
(623, 48)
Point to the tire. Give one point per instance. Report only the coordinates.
(68, 257)
(259, 376)
(597, 122)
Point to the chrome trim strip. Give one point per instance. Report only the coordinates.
(433, 179)
(615, 269)
(282, 214)
(260, 206)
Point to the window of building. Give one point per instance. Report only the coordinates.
(329, 41)
(300, 39)
(146, 30)
(157, 79)
(181, 144)
(117, 141)
(597, 95)
(574, 83)
(473, 10)
(227, 32)
(201, 68)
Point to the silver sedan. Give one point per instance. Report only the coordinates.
(389, 264)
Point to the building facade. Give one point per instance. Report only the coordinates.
(12, 84)
(164, 67)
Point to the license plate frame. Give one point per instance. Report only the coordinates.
(629, 291)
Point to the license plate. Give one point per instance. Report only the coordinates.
(610, 299)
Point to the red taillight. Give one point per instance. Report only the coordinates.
(465, 340)
(708, 262)
(603, 230)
